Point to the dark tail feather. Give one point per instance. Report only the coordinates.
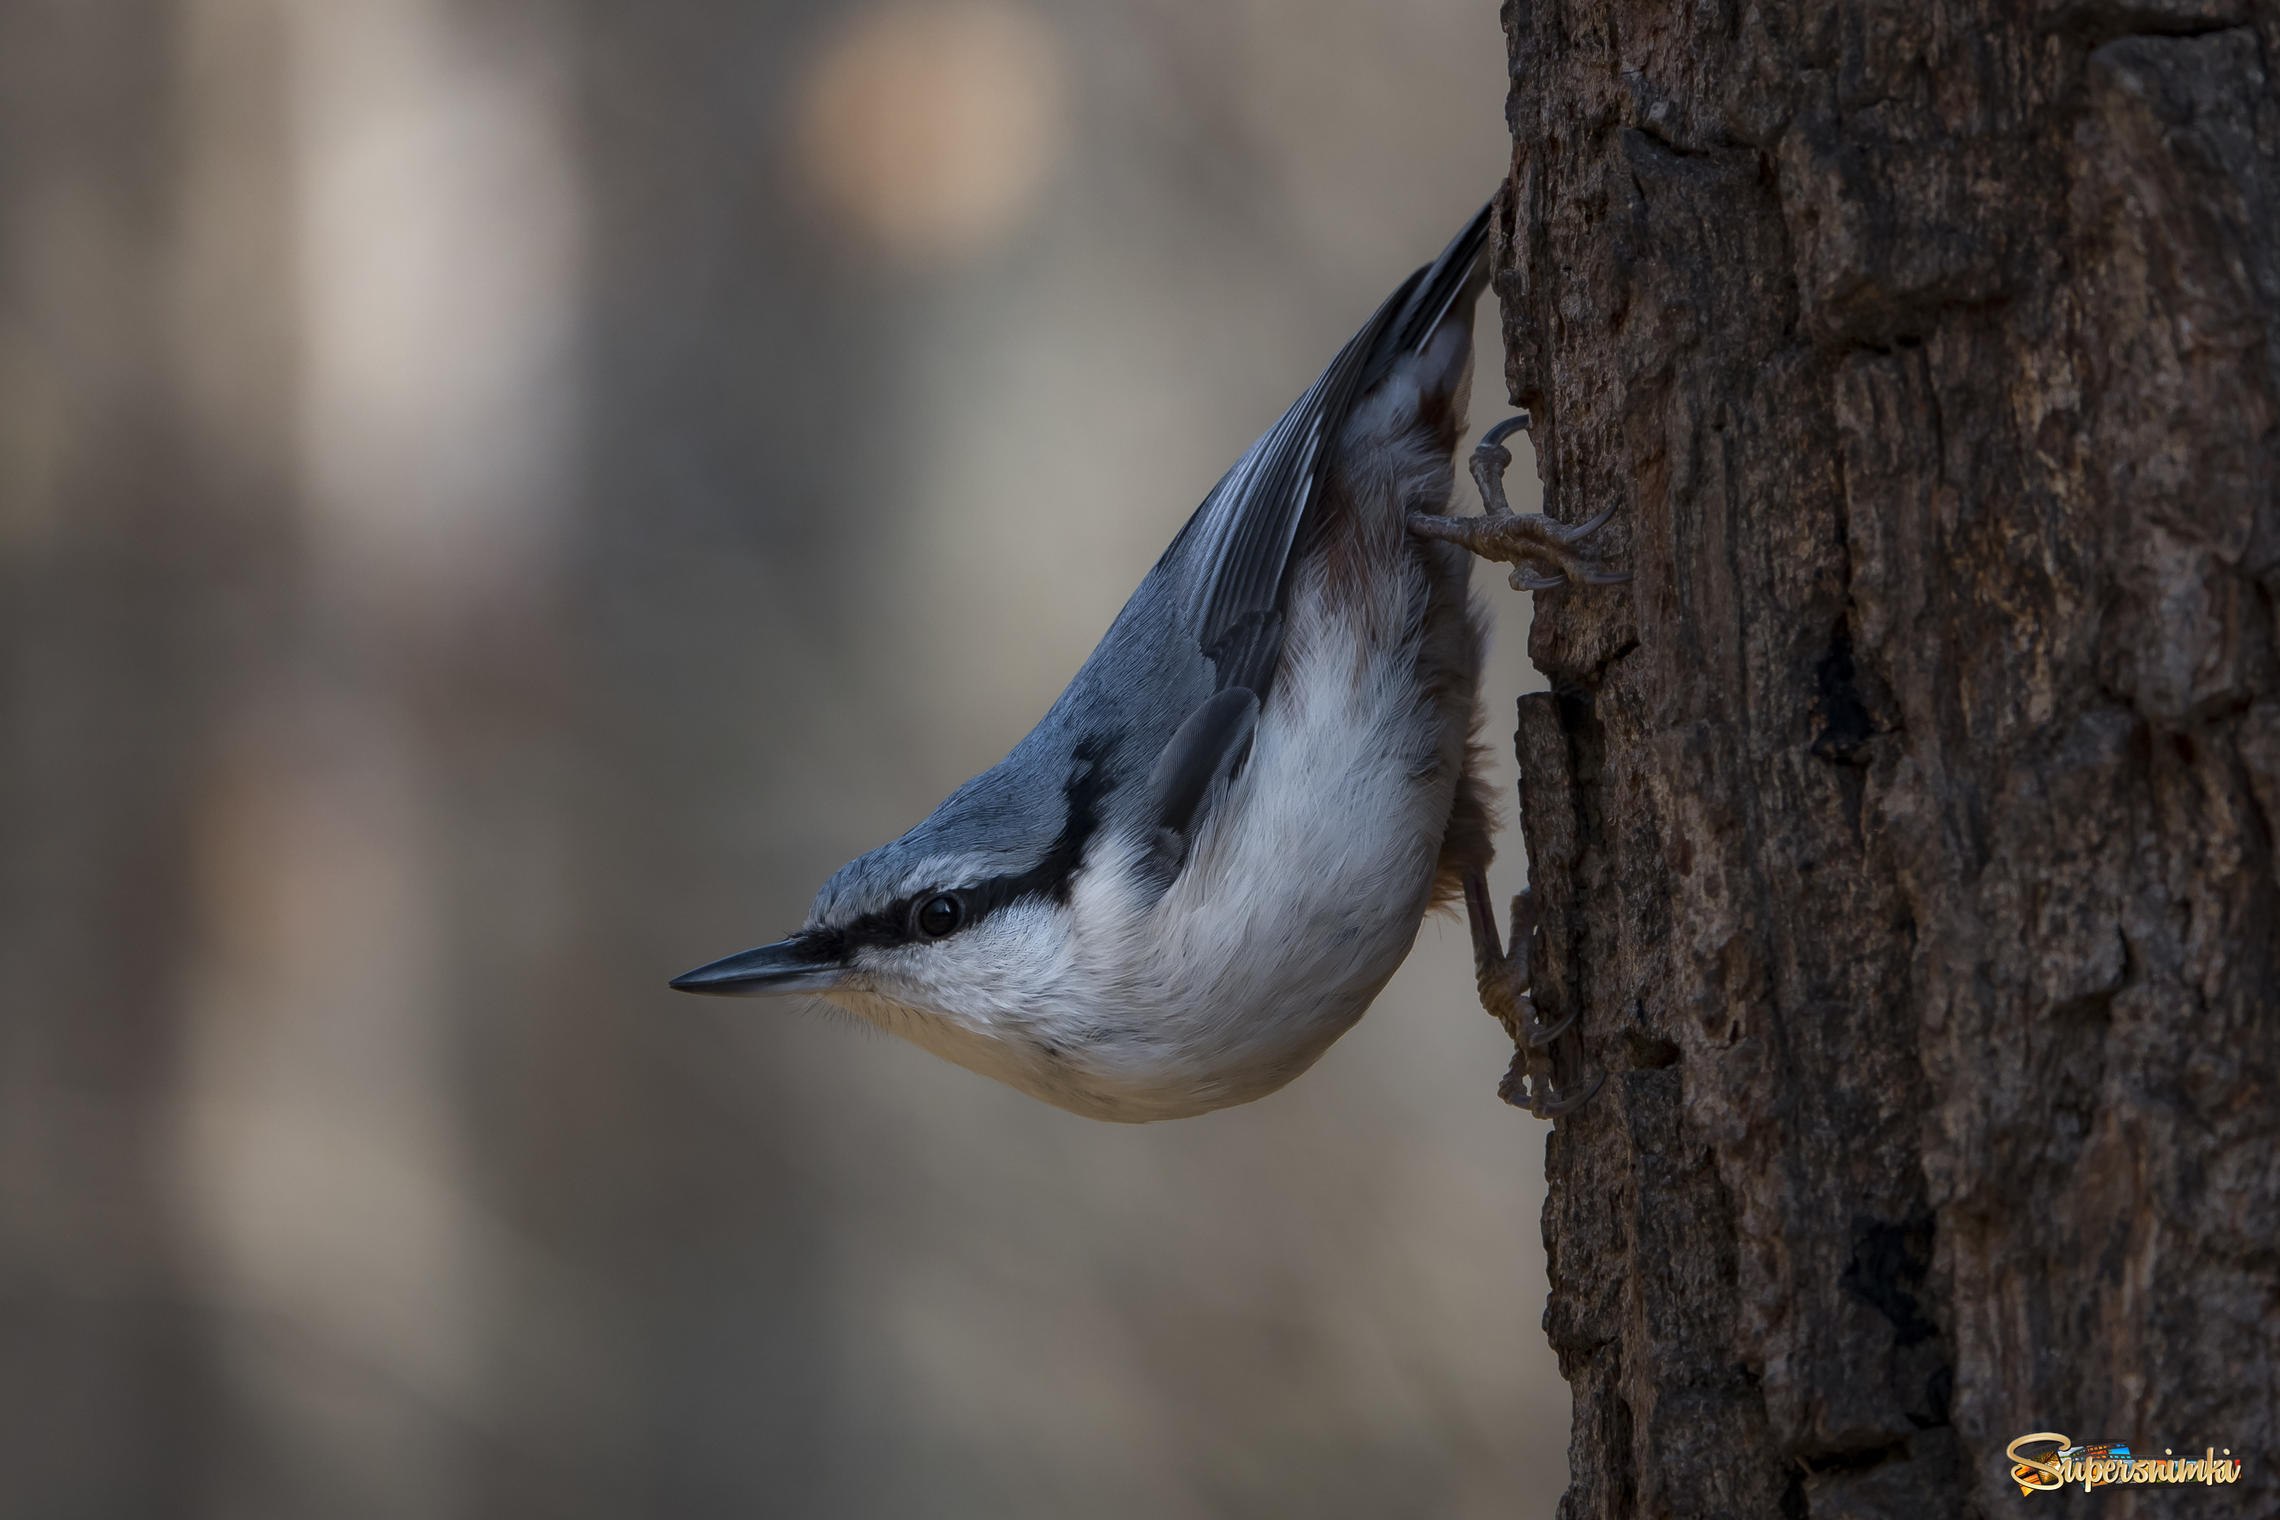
(1451, 282)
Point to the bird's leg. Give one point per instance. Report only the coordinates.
(1502, 978)
(1543, 553)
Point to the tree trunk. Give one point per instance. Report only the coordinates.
(1904, 831)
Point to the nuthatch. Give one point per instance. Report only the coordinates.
(1201, 866)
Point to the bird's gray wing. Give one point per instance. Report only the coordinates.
(1229, 569)
(1245, 534)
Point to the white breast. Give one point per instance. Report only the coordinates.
(1302, 892)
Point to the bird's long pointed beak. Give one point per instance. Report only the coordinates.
(788, 965)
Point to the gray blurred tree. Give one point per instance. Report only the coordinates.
(1904, 833)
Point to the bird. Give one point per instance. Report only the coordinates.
(1209, 856)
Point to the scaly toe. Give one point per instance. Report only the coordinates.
(1542, 552)
(1464, 532)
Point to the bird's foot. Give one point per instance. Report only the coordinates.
(1543, 553)
(1503, 980)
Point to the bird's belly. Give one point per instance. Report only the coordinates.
(1299, 900)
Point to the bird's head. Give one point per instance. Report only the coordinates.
(959, 931)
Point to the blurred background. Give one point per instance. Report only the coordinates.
(496, 502)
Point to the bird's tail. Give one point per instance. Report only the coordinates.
(1444, 288)
(1419, 373)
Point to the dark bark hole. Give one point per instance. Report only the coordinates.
(1887, 1270)
(1844, 718)
(1650, 1054)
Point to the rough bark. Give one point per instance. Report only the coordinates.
(1904, 832)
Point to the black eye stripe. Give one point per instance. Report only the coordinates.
(1050, 879)
(1053, 875)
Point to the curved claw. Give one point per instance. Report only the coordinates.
(1541, 1035)
(1518, 422)
(1588, 526)
(1551, 1106)
(1524, 579)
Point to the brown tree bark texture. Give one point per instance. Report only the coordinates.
(1904, 832)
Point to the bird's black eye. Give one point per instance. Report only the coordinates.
(939, 915)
